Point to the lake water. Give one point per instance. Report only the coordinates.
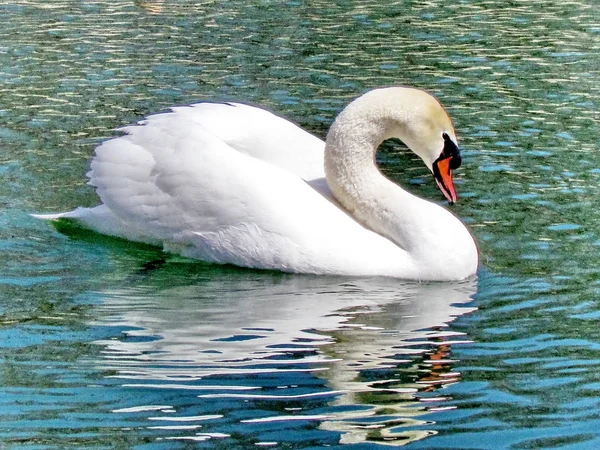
(108, 344)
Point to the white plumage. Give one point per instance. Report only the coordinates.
(230, 183)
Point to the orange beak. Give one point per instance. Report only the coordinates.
(442, 173)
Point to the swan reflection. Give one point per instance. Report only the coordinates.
(375, 345)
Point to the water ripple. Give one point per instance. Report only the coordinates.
(83, 337)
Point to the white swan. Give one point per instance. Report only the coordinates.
(230, 183)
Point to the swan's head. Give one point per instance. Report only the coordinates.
(411, 115)
(425, 127)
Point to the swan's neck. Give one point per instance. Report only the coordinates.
(354, 178)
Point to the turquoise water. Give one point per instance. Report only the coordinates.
(107, 344)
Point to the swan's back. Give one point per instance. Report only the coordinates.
(247, 129)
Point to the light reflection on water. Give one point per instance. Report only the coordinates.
(94, 353)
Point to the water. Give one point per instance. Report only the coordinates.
(107, 344)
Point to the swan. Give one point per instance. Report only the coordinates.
(235, 184)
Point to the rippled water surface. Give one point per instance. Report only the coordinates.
(107, 344)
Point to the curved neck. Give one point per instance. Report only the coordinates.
(353, 176)
(437, 243)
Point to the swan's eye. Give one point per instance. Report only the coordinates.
(446, 137)
(451, 150)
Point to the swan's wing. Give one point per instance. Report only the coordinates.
(250, 130)
(200, 197)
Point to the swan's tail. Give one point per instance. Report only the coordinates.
(102, 220)
(99, 219)
(66, 215)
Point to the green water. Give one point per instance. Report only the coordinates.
(105, 346)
